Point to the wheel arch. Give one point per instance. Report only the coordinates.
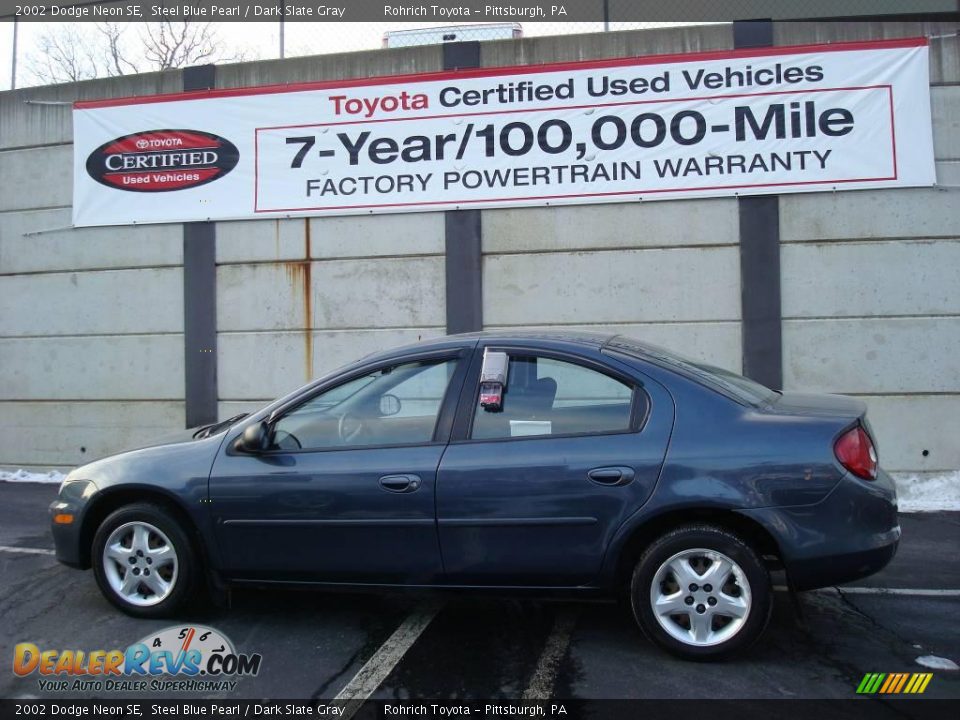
(639, 537)
(114, 498)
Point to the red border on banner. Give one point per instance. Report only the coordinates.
(256, 154)
(506, 70)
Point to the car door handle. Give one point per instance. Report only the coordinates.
(611, 475)
(400, 483)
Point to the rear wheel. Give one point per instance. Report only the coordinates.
(701, 593)
(143, 561)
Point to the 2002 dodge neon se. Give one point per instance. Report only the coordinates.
(557, 462)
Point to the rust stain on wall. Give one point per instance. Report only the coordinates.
(299, 273)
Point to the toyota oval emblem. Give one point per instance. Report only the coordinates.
(162, 160)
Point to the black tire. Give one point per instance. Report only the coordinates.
(712, 538)
(185, 582)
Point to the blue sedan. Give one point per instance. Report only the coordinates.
(555, 462)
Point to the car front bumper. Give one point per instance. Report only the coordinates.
(67, 537)
(850, 534)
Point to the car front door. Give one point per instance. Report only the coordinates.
(532, 494)
(345, 492)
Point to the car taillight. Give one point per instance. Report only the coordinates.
(855, 451)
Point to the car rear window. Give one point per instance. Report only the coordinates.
(742, 389)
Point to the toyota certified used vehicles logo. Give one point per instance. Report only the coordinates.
(162, 160)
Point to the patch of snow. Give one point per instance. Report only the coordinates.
(928, 493)
(23, 476)
(937, 663)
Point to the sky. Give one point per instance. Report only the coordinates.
(261, 40)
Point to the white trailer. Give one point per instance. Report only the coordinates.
(451, 33)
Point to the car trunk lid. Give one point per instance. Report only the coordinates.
(819, 405)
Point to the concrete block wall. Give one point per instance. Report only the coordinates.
(91, 320)
(871, 280)
(298, 298)
(665, 272)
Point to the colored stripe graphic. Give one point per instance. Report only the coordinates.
(867, 684)
(894, 683)
(891, 680)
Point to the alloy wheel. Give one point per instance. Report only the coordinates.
(700, 597)
(140, 563)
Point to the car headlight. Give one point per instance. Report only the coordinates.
(75, 489)
(70, 477)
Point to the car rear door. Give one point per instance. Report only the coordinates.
(533, 494)
(346, 493)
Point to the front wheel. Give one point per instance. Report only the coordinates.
(143, 561)
(701, 593)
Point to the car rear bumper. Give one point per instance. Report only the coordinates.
(838, 569)
(850, 534)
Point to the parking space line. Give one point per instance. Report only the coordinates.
(919, 592)
(545, 674)
(26, 551)
(384, 660)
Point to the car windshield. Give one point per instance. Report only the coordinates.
(740, 388)
(339, 395)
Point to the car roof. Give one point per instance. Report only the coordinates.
(576, 337)
(536, 337)
(543, 338)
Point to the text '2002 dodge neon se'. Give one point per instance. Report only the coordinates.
(564, 462)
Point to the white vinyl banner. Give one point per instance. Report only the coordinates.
(764, 120)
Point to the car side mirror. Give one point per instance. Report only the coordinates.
(255, 439)
(389, 404)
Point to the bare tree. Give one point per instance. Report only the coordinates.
(116, 52)
(175, 44)
(64, 54)
(70, 52)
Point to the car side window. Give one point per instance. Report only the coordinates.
(391, 406)
(545, 396)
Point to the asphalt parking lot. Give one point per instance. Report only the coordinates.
(314, 645)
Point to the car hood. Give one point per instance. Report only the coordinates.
(169, 458)
(791, 403)
(172, 438)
